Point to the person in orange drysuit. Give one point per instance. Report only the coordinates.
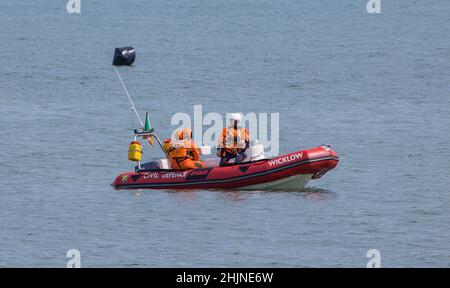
(184, 153)
(233, 142)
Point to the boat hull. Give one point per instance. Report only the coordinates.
(285, 184)
(287, 172)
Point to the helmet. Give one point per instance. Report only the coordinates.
(236, 117)
(186, 133)
(179, 134)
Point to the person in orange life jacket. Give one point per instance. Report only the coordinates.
(233, 142)
(184, 153)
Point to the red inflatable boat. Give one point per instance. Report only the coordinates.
(287, 172)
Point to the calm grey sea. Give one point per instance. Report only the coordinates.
(374, 87)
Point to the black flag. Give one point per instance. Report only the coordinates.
(124, 56)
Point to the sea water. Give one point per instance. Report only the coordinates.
(373, 86)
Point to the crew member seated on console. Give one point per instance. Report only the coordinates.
(233, 142)
(184, 153)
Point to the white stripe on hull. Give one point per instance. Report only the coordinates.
(295, 182)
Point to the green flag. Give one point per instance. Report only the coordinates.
(148, 128)
(147, 123)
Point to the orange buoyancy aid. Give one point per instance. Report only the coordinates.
(186, 164)
(184, 155)
(233, 140)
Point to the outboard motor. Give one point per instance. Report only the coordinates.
(254, 152)
(124, 56)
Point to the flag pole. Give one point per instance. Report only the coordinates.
(129, 97)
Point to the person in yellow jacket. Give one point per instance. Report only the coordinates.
(233, 142)
(184, 153)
